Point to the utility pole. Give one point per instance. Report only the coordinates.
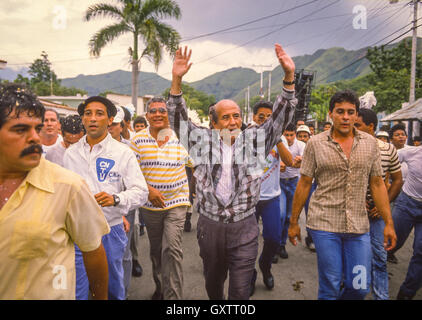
(414, 47)
(261, 89)
(247, 114)
(269, 86)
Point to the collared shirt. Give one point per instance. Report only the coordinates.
(224, 187)
(111, 167)
(251, 148)
(163, 168)
(50, 211)
(339, 202)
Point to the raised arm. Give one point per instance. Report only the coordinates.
(284, 105)
(176, 105)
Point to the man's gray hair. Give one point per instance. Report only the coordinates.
(156, 99)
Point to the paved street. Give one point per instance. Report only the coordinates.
(296, 278)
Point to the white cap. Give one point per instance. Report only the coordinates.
(304, 128)
(382, 134)
(120, 115)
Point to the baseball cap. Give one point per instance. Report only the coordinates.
(111, 108)
(303, 128)
(382, 134)
(120, 115)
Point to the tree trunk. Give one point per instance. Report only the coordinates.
(135, 72)
(135, 78)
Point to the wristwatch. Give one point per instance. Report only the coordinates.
(288, 83)
(116, 200)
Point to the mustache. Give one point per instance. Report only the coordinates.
(35, 148)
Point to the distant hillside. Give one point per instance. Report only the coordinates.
(232, 83)
(118, 81)
(228, 83)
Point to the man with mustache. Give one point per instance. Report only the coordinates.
(229, 165)
(44, 210)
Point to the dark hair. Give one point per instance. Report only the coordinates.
(327, 122)
(52, 110)
(16, 97)
(290, 127)
(156, 99)
(72, 124)
(212, 114)
(262, 104)
(417, 138)
(344, 96)
(398, 126)
(385, 128)
(111, 108)
(311, 125)
(140, 120)
(368, 116)
(127, 116)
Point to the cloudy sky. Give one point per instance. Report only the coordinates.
(221, 33)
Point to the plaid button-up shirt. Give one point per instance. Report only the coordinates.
(250, 149)
(338, 203)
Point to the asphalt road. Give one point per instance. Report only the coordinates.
(296, 278)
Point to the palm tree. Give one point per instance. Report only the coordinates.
(142, 19)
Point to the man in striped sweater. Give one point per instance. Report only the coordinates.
(162, 159)
(367, 122)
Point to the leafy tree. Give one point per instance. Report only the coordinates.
(40, 70)
(142, 20)
(390, 79)
(195, 100)
(320, 101)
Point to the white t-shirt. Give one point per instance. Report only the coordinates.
(46, 148)
(56, 153)
(296, 149)
(404, 168)
(412, 156)
(270, 180)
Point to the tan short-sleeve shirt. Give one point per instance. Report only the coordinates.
(47, 214)
(338, 203)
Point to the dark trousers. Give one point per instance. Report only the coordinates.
(228, 247)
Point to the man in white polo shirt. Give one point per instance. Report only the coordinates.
(289, 177)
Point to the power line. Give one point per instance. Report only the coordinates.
(363, 57)
(249, 22)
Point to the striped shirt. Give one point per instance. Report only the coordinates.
(163, 168)
(250, 149)
(389, 162)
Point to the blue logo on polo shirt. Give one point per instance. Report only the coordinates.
(103, 168)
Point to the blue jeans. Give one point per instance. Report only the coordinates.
(379, 260)
(269, 210)
(288, 188)
(114, 245)
(407, 214)
(346, 258)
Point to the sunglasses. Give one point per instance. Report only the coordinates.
(160, 110)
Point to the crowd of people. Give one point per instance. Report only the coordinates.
(77, 192)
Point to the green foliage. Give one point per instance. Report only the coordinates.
(43, 80)
(320, 100)
(390, 79)
(142, 20)
(195, 100)
(40, 70)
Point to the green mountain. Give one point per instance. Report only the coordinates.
(232, 83)
(118, 81)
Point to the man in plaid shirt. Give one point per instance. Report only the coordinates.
(229, 163)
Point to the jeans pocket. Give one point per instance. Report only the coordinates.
(29, 239)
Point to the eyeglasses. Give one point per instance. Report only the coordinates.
(160, 110)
